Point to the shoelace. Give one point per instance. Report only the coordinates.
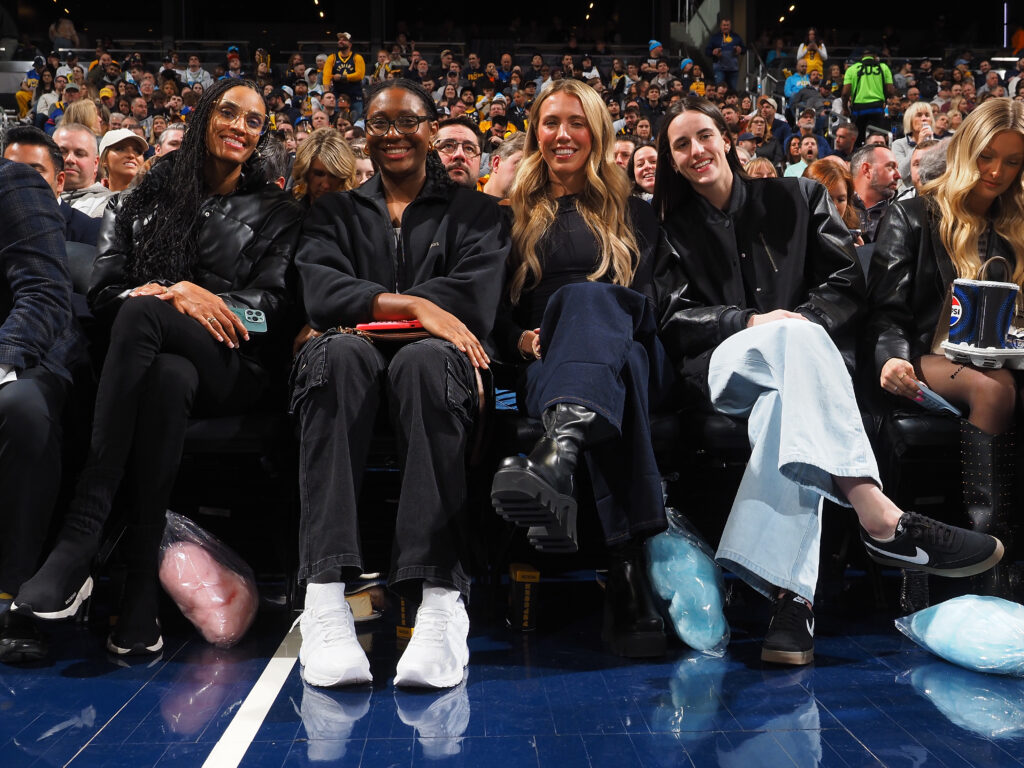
(431, 624)
(932, 531)
(787, 619)
(333, 624)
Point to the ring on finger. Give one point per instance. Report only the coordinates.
(211, 320)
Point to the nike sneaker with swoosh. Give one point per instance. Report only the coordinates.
(923, 544)
(790, 636)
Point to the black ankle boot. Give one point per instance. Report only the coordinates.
(137, 632)
(537, 490)
(632, 622)
(988, 466)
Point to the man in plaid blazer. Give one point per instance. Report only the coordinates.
(38, 340)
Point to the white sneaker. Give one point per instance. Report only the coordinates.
(437, 654)
(330, 653)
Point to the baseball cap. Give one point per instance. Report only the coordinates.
(344, 36)
(110, 138)
(108, 91)
(770, 100)
(72, 86)
(747, 137)
(807, 111)
(652, 44)
(63, 72)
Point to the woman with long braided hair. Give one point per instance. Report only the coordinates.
(203, 236)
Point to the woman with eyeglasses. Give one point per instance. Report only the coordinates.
(181, 258)
(581, 322)
(408, 245)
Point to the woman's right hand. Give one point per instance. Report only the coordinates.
(898, 378)
(529, 344)
(149, 289)
(444, 325)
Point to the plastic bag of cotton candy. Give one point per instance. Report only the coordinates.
(685, 575)
(214, 588)
(985, 634)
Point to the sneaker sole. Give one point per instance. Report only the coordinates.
(328, 682)
(792, 658)
(135, 650)
(65, 613)
(953, 573)
(22, 652)
(416, 682)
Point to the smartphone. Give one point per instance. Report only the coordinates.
(389, 325)
(934, 402)
(253, 319)
(855, 233)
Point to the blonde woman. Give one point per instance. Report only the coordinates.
(324, 163)
(578, 319)
(83, 112)
(976, 210)
(917, 127)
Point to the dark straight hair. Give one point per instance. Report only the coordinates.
(671, 190)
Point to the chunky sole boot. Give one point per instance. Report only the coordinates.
(536, 491)
(633, 626)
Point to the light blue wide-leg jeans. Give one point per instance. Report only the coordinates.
(790, 382)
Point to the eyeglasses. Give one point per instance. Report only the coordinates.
(228, 112)
(451, 146)
(405, 124)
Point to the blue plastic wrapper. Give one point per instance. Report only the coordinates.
(985, 634)
(992, 707)
(685, 575)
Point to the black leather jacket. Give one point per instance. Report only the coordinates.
(910, 274)
(246, 249)
(780, 245)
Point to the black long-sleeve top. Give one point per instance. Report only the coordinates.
(568, 252)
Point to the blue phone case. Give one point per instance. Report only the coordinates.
(253, 319)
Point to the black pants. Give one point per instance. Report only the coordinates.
(340, 381)
(160, 367)
(31, 409)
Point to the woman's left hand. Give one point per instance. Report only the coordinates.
(209, 310)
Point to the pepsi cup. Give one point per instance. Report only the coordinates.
(981, 312)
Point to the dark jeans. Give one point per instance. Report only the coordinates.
(161, 366)
(30, 466)
(430, 388)
(600, 350)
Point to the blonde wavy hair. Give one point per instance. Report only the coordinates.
(329, 147)
(83, 112)
(959, 228)
(603, 203)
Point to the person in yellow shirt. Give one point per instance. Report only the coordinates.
(344, 72)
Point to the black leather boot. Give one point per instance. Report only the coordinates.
(537, 490)
(988, 466)
(633, 625)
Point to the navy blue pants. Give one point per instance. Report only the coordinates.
(600, 350)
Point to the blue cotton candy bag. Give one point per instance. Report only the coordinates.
(985, 634)
(685, 575)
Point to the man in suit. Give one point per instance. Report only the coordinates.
(37, 342)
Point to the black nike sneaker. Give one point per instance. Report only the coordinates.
(923, 544)
(790, 636)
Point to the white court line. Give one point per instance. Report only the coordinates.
(233, 744)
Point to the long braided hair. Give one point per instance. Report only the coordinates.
(168, 199)
(436, 174)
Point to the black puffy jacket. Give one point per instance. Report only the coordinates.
(246, 251)
(781, 245)
(909, 277)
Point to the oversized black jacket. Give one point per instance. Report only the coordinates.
(910, 274)
(781, 245)
(454, 244)
(246, 249)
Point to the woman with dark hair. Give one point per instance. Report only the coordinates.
(201, 239)
(408, 245)
(641, 170)
(581, 320)
(759, 297)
